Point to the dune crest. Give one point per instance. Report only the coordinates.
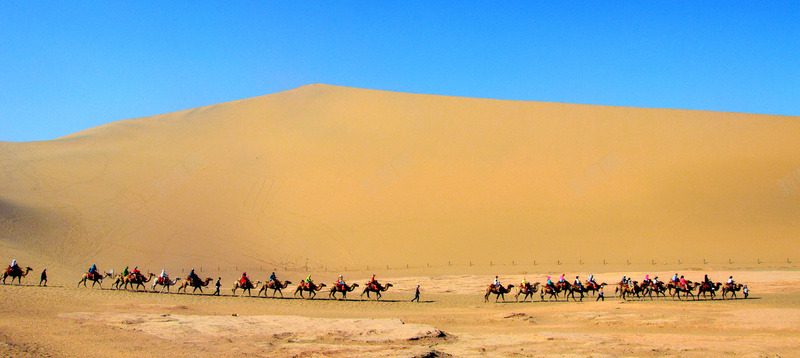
(327, 176)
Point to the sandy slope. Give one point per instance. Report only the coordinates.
(328, 177)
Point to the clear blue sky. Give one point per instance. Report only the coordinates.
(66, 66)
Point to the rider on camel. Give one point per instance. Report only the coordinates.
(193, 277)
(730, 281)
(340, 282)
(125, 272)
(13, 266)
(675, 278)
(93, 271)
(591, 280)
(646, 279)
(550, 283)
(708, 282)
(683, 283)
(308, 281)
(578, 282)
(273, 278)
(524, 283)
(497, 282)
(136, 272)
(373, 282)
(245, 281)
(624, 279)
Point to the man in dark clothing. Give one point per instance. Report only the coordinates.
(416, 295)
(43, 278)
(218, 284)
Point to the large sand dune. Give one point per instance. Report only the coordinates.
(334, 177)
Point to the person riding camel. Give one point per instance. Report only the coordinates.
(591, 280)
(125, 272)
(163, 276)
(193, 277)
(578, 282)
(273, 278)
(624, 280)
(13, 266)
(244, 281)
(137, 273)
(307, 282)
(655, 281)
(683, 283)
(730, 282)
(550, 283)
(675, 278)
(646, 279)
(561, 279)
(373, 282)
(496, 282)
(340, 283)
(708, 282)
(93, 272)
(524, 283)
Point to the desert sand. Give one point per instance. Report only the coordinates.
(440, 191)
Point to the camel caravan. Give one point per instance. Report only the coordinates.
(677, 288)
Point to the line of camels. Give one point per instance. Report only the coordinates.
(623, 289)
(137, 282)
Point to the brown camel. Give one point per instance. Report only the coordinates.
(16, 273)
(312, 289)
(500, 291)
(688, 291)
(95, 278)
(375, 287)
(659, 288)
(732, 289)
(705, 288)
(274, 286)
(626, 290)
(138, 280)
(163, 282)
(528, 290)
(344, 289)
(553, 291)
(244, 286)
(196, 284)
(593, 287)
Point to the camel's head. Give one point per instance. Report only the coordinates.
(388, 285)
(321, 285)
(354, 285)
(287, 282)
(29, 268)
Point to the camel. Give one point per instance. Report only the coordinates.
(343, 289)
(732, 289)
(552, 291)
(138, 280)
(500, 291)
(244, 286)
(275, 286)
(659, 288)
(593, 287)
(16, 273)
(377, 288)
(196, 284)
(119, 280)
(688, 290)
(575, 288)
(528, 290)
(164, 282)
(95, 278)
(626, 290)
(705, 288)
(312, 289)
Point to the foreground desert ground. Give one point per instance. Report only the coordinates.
(452, 319)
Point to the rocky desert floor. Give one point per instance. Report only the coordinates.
(451, 320)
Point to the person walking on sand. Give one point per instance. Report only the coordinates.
(600, 295)
(416, 295)
(218, 285)
(43, 278)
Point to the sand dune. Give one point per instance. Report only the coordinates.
(329, 177)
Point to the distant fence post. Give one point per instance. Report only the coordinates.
(604, 262)
(759, 261)
(730, 261)
(788, 261)
(704, 261)
(628, 261)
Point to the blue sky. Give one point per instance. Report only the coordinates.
(69, 66)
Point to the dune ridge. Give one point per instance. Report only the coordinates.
(327, 176)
